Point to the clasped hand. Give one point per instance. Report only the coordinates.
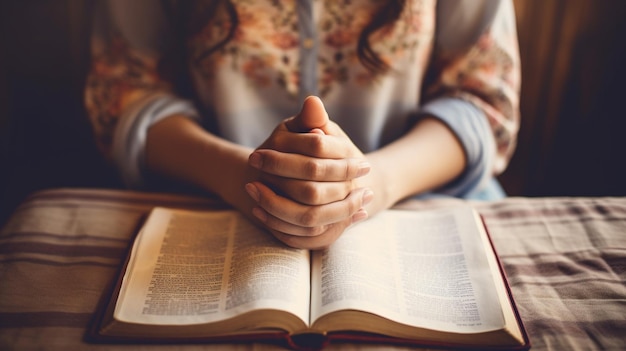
(308, 192)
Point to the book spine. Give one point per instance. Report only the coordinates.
(308, 341)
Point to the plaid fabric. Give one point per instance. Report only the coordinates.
(565, 259)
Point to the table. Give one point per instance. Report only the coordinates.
(565, 259)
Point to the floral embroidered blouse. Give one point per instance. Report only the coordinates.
(456, 61)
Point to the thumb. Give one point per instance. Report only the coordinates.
(312, 116)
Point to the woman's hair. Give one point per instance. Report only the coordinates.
(388, 14)
(191, 16)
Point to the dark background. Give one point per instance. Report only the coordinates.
(571, 143)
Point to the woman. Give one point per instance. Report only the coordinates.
(414, 97)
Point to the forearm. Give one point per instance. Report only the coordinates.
(425, 158)
(180, 149)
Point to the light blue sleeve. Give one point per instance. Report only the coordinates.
(459, 25)
(471, 128)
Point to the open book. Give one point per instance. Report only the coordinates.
(406, 277)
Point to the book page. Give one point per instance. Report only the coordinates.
(197, 267)
(426, 269)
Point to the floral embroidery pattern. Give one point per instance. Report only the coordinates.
(340, 30)
(264, 47)
(118, 77)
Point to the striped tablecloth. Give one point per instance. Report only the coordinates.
(61, 249)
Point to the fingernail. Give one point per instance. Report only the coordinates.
(255, 160)
(368, 195)
(364, 168)
(359, 216)
(252, 190)
(260, 214)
